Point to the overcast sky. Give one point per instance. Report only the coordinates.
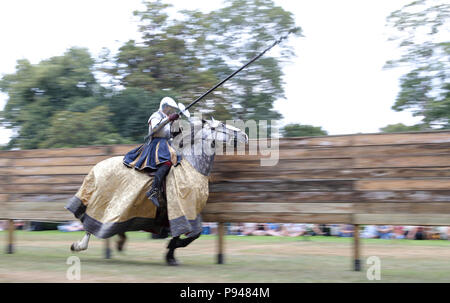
(336, 81)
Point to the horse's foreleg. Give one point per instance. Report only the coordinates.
(81, 245)
(175, 243)
(121, 241)
(170, 256)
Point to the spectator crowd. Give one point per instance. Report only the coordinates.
(287, 229)
(337, 230)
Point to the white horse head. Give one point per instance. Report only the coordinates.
(220, 132)
(207, 132)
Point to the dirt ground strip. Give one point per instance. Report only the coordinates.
(257, 259)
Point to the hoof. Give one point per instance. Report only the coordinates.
(120, 245)
(172, 262)
(72, 247)
(170, 259)
(120, 242)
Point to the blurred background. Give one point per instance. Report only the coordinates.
(77, 73)
(89, 73)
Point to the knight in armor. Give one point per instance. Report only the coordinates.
(157, 153)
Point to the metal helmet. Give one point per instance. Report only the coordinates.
(168, 102)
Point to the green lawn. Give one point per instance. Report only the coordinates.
(42, 257)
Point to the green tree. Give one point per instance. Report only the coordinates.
(52, 102)
(420, 29)
(400, 127)
(243, 28)
(71, 129)
(131, 109)
(190, 54)
(165, 60)
(299, 130)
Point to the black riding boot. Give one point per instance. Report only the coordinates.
(154, 193)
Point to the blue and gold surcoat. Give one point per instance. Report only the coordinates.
(155, 152)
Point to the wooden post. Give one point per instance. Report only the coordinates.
(356, 250)
(10, 246)
(107, 249)
(220, 243)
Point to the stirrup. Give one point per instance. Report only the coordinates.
(153, 194)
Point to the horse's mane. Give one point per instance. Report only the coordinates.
(184, 136)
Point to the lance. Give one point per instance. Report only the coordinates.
(166, 120)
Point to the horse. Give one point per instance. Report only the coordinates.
(112, 201)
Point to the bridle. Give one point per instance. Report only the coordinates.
(221, 128)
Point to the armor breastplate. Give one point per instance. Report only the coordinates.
(154, 121)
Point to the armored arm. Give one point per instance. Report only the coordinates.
(159, 127)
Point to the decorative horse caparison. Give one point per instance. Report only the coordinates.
(112, 200)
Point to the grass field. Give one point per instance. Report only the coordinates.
(42, 257)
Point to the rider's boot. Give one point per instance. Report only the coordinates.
(154, 193)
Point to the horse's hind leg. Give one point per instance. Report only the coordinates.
(121, 241)
(175, 243)
(170, 257)
(81, 245)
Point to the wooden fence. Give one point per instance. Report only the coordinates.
(376, 179)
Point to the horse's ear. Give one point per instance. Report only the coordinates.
(214, 122)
